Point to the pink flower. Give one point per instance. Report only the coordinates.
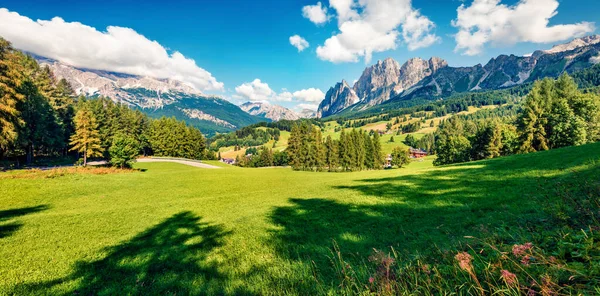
(371, 280)
(464, 261)
(509, 278)
(525, 260)
(520, 250)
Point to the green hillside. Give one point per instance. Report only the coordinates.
(173, 229)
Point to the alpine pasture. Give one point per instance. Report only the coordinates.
(173, 229)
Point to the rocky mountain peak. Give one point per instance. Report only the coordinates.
(338, 98)
(574, 44)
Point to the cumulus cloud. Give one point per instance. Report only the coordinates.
(489, 21)
(312, 107)
(309, 95)
(299, 42)
(258, 91)
(368, 26)
(117, 49)
(315, 13)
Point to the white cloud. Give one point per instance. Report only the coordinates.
(312, 107)
(489, 21)
(299, 42)
(309, 95)
(118, 49)
(369, 26)
(258, 91)
(315, 13)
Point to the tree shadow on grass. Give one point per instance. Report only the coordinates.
(7, 229)
(168, 259)
(428, 212)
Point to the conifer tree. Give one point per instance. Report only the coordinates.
(377, 152)
(534, 117)
(331, 154)
(10, 80)
(86, 138)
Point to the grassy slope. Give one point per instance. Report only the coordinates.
(186, 230)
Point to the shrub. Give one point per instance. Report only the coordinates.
(123, 151)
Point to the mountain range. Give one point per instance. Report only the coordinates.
(388, 81)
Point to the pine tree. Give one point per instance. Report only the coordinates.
(331, 154)
(377, 152)
(369, 154)
(319, 149)
(10, 80)
(533, 120)
(86, 138)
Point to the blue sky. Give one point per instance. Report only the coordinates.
(238, 41)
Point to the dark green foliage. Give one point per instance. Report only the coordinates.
(400, 157)
(556, 114)
(354, 151)
(169, 137)
(123, 151)
(247, 136)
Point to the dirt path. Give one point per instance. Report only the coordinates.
(181, 161)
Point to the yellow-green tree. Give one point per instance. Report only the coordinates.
(10, 80)
(86, 138)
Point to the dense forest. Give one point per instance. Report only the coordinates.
(554, 114)
(355, 150)
(40, 117)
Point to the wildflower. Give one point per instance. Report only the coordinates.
(371, 280)
(525, 260)
(520, 250)
(509, 278)
(464, 261)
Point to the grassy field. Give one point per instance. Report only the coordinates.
(173, 229)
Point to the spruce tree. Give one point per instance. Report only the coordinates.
(86, 138)
(331, 154)
(10, 80)
(377, 152)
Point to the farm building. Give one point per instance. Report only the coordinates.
(417, 153)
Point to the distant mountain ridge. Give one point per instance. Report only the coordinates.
(387, 81)
(156, 97)
(269, 111)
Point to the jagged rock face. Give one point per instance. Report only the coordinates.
(576, 43)
(381, 75)
(273, 112)
(337, 99)
(434, 79)
(383, 80)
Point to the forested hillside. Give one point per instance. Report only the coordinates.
(40, 117)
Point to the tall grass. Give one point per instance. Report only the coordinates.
(563, 260)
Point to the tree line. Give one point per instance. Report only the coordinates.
(554, 114)
(354, 151)
(41, 116)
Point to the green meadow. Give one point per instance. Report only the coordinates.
(172, 229)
